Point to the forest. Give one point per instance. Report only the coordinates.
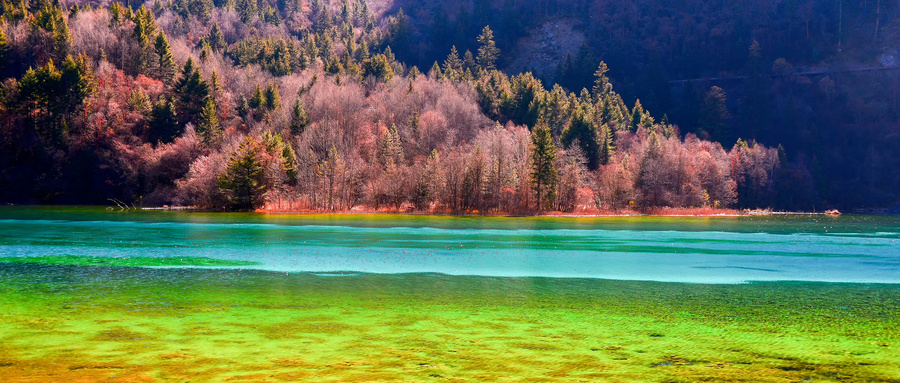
(296, 105)
(820, 78)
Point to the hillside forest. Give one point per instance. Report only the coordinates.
(332, 106)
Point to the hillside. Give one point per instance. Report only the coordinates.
(800, 87)
(295, 105)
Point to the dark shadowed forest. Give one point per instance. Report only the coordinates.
(481, 106)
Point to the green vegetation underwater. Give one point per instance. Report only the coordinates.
(91, 295)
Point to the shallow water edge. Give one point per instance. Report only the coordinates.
(140, 324)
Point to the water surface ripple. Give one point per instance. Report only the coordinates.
(674, 249)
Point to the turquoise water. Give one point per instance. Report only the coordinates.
(90, 295)
(857, 249)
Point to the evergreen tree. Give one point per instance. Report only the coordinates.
(582, 130)
(215, 86)
(163, 123)
(49, 95)
(299, 118)
(414, 73)
(61, 36)
(242, 182)
(488, 53)
(637, 116)
(469, 61)
(191, 92)
(272, 98)
(400, 34)
(216, 39)
(378, 67)
(115, 14)
(144, 27)
(205, 51)
(243, 107)
(77, 81)
(4, 54)
(138, 101)
(166, 63)
(543, 170)
(52, 20)
(435, 71)
(282, 153)
(247, 9)
(519, 103)
(607, 150)
(453, 64)
(271, 16)
(390, 149)
(602, 87)
(257, 99)
(714, 115)
(209, 129)
(755, 99)
(653, 178)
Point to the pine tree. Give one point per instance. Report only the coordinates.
(582, 130)
(209, 129)
(453, 64)
(215, 85)
(270, 15)
(61, 36)
(488, 53)
(216, 39)
(299, 118)
(272, 98)
(602, 87)
(637, 115)
(115, 14)
(163, 124)
(390, 150)
(166, 63)
(138, 101)
(652, 178)
(247, 9)
(242, 182)
(607, 149)
(469, 61)
(50, 94)
(52, 20)
(191, 92)
(378, 67)
(256, 101)
(714, 115)
(435, 71)
(400, 34)
(4, 54)
(205, 51)
(144, 26)
(543, 171)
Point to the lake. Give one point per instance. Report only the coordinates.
(91, 294)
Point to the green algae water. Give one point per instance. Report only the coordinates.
(93, 295)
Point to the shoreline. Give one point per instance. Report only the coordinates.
(655, 212)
